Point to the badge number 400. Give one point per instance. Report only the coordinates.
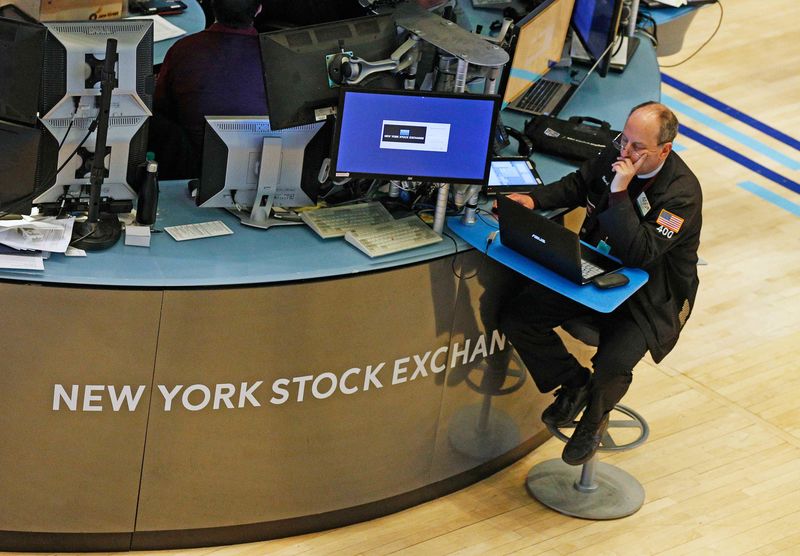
(666, 232)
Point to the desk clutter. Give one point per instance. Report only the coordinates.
(26, 242)
(371, 228)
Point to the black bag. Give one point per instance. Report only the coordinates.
(578, 138)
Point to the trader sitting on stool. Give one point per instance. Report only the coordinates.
(643, 204)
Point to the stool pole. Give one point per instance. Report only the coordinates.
(586, 483)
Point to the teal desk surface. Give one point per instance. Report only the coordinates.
(248, 256)
(192, 20)
(590, 295)
(252, 256)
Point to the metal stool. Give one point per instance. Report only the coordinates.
(595, 490)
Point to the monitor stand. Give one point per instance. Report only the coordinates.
(619, 60)
(261, 220)
(261, 215)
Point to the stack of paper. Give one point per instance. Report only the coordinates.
(25, 243)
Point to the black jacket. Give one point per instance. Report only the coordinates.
(663, 241)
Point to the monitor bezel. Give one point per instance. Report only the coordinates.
(495, 99)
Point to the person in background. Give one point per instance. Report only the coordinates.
(643, 205)
(214, 72)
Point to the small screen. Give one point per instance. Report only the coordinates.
(414, 135)
(503, 173)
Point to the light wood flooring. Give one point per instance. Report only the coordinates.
(722, 466)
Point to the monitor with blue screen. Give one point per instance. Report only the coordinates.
(596, 23)
(414, 135)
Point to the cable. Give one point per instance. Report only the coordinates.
(719, 24)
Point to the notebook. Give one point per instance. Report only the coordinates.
(550, 244)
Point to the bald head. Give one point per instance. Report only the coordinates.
(658, 117)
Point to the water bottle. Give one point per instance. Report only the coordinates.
(148, 194)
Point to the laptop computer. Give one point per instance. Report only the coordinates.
(550, 244)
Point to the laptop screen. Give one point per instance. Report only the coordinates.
(414, 135)
(539, 44)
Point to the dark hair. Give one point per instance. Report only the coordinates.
(235, 13)
(668, 122)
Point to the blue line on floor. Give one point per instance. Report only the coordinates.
(771, 197)
(732, 112)
(742, 138)
(739, 158)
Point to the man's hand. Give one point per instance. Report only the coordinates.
(625, 170)
(522, 199)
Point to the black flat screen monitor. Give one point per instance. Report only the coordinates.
(19, 152)
(596, 23)
(21, 55)
(414, 135)
(295, 65)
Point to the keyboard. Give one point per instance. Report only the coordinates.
(542, 97)
(336, 221)
(391, 237)
(588, 270)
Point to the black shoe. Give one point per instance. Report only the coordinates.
(569, 402)
(584, 441)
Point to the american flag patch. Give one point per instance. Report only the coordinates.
(669, 220)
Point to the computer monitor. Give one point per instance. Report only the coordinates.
(295, 65)
(596, 24)
(414, 135)
(539, 43)
(126, 145)
(19, 150)
(74, 53)
(73, 56)
(21, 54)
(248, 164)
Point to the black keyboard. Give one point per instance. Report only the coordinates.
(539, 96)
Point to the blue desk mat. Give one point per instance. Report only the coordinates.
(602, 300)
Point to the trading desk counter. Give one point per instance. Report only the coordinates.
(261, 384)
(249, 386)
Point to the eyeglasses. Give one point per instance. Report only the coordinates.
(620, 142)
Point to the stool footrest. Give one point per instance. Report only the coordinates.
(555, 484)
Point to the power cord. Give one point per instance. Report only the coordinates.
(719, 24)
(489, 239)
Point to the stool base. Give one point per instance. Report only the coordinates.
(482, 432)
(613, 492)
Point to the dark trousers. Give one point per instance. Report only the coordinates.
(528, 321)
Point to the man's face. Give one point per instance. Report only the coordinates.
(640, 137)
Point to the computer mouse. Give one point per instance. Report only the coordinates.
(611, 280)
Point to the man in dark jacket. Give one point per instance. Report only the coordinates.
(216, 72)
(643, 205)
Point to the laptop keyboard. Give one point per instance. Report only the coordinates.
(588, 270)
(539, 96)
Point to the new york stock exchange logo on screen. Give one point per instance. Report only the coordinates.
(415, 136)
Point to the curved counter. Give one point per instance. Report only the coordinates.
(257, 385)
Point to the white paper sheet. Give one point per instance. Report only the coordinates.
(162, 29)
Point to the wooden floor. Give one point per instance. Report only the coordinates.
(722, 466)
